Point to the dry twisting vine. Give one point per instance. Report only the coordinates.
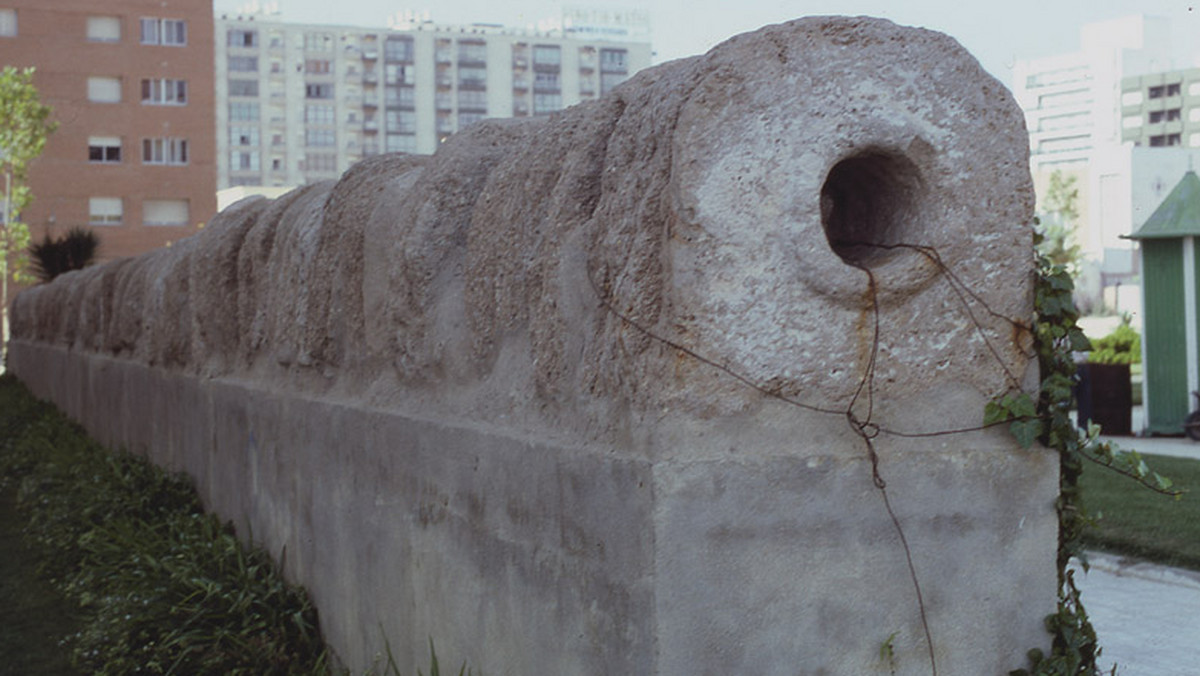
(1056, 336)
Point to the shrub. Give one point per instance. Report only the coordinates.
(73, 251)
(1122, 346)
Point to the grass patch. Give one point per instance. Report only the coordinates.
(34, 617)
(163, 587)
(1135, 521)
(132, 575)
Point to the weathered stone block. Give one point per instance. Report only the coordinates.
(617, 391)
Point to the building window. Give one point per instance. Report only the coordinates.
(105, 210)
(104, 149)
(319, 163)
(243, 87)
(240, 160)
(472, 52)
(472, 77)
(165, 212)
(472, 100)
(395, 73)
(400, 97)
(613, 61)
(318, 42)
(170, 32)
(319, 137)
(319, 114)
(546, 82)
(165, 151)
(400, 143)
(318, 91)
(316, 66)
(162, 92)
(243, 136)
(104, 89)
(8, 23)
(243, 112)
(243, 38)
(103, 29)
(401, 121)
(546, 103)
(398, 49)
(243, 64)
(1165, 140)
(547, 55)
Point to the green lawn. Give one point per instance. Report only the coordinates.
(1135, 521)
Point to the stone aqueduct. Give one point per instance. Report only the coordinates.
(592, 394)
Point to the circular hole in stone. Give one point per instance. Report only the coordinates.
(868, 203)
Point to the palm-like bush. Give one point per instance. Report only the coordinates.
(73, 251)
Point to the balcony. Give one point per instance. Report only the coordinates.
(443, 56)
(370, 54)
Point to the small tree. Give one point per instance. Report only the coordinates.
(1058, 218)
(24, 126)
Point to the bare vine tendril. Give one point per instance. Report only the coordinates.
(1054, 337)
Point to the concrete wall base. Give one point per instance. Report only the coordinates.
(524, 557)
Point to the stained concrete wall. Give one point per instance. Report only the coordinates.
(590, 394)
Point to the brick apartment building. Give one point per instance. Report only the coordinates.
(131, 85)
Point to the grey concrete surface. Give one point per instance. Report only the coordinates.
(1146, 616)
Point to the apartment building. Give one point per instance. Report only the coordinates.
(1161, 110)
(131, 85)
(298, 103)
(1072, 101)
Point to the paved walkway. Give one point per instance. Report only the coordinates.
(1146, 616)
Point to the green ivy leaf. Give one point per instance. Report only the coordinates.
(1026, 431)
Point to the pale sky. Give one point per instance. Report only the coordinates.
(996, 32)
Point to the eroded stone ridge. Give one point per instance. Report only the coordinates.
(693, 199)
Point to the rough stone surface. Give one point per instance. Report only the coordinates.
(572, 394)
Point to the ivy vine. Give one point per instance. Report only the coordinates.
(1056, 336)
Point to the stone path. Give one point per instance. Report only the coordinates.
(1146, 616)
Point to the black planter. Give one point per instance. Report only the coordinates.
(1104, 396)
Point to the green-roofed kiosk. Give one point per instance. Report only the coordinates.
(1170, 354)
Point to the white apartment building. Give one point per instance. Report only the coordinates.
(298, 103)
(1072, 101)
(1074, 113)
